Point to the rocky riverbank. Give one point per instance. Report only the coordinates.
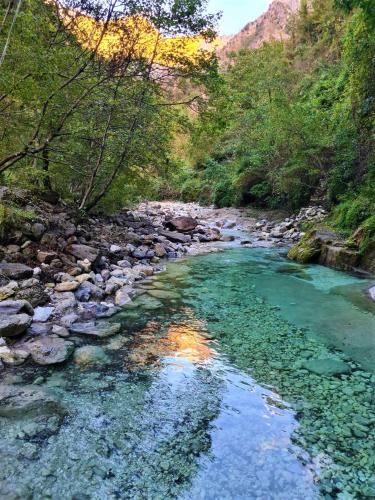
(62, 276)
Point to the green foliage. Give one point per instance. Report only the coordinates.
(12, 216)
(295, 120)
(95, 129)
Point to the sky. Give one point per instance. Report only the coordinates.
(237, 13)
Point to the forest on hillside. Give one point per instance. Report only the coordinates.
(279, 126)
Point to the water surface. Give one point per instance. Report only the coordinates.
(205, 395)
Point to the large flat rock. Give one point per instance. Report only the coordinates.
(28, 401)
(96, 329)
(16, 271)
(12, 325)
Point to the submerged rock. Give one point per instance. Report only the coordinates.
(96, 329)
(327, 367)
(50, 350)
(28, 401)
(90, 355)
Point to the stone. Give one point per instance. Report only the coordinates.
(90, 355)
(38, 329)
(83, 277)
(64, 301)
(36, 294)
(163, 294)
(327, 367)
(122, 297)
(46, 257)
(83, 252)
(13, 357)
(88, 290)
(144, 270)
(67, 286)
(371, 292)
(177, 237)
(8, 290)
(50, 350)
(12, 325)
(26, 401)
(115, 249)
(16, 271)
(95, 329)
(61, 331)
(339, 257)
(124, 264)
(42, 314)
(85, 265)
(160, 250)
(37, 230)
(16, 307)
(182, 224)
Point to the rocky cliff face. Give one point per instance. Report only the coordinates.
(272, 25)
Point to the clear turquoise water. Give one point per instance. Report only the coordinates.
(205, 395)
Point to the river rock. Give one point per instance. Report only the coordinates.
(8, 290)
(16, 307)
(90, 355)
(35, 294)
(46, 257)
(28, 401)
(43, 314)
(339, 257)
(13, 356)
(12, 325)
(160, 250)
(95, 329)
(122, 297)
(15, 271)
(182, 224)
(175, 236)
(61, 331)
(83, 252)
(372, 292)
(88, 290)
(67, 286)
(50, 350)
(327, 367)
(37, 230)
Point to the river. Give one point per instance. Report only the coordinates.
(211, 392)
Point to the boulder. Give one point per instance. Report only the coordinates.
(12, 325)
(50, 350)
(95, 329)
(175, 236)
(90, 355)
(61, 331)
(15, 271)
(338, 257)
(16, 307)
(83, 252)
(8, 290)
(27, 401)
(182, 224)
(327, 367)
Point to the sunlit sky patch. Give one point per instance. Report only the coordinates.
(237, 13)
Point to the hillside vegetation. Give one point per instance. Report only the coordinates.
(294, 121)
(103, 105)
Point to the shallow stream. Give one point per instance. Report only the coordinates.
(209, 392)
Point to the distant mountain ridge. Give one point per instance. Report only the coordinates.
(272, 25)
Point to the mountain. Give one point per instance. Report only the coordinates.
(272, 25)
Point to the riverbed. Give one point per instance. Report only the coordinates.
(237, 375)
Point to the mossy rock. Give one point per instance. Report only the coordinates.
(307, 250)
